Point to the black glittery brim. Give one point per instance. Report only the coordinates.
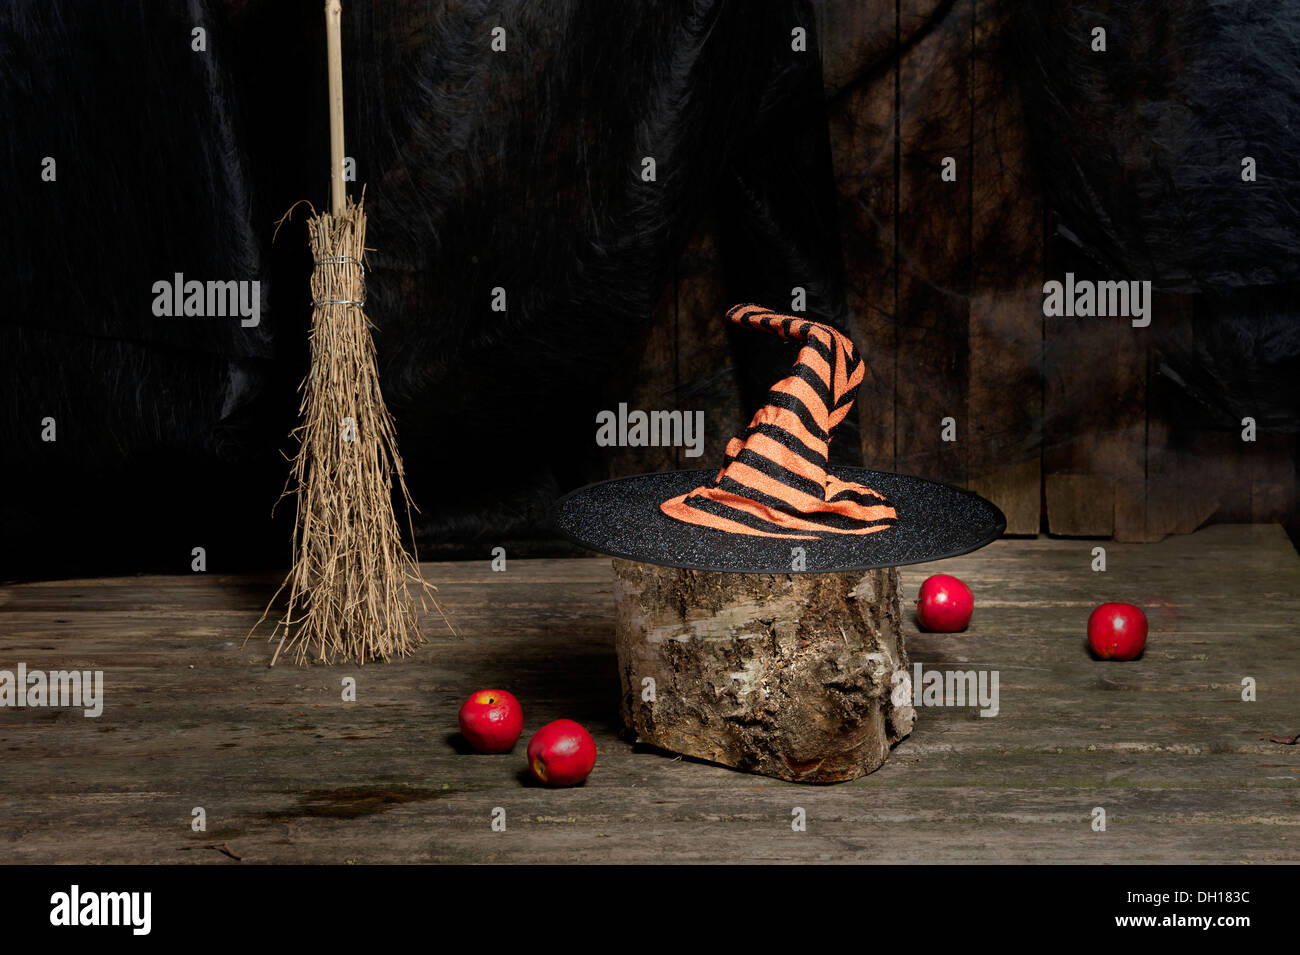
(622, 518)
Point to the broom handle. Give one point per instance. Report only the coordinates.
(334, 51)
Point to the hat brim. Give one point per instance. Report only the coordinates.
(622, 518)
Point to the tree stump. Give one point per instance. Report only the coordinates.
(787, 675)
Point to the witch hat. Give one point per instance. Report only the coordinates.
(777, 505)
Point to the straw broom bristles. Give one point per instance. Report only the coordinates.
(350, 588)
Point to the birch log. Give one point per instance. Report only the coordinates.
(787, 675)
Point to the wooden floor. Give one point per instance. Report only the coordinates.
(287, 772)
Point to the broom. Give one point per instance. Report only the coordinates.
(349, 598)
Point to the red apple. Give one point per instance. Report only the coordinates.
(1117, 631)
(491, 720)
(945, 604)
(561, 753)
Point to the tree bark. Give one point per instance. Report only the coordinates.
(787, 675)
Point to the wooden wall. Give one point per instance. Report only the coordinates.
(1068, 425)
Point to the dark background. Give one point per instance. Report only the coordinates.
(776, 169)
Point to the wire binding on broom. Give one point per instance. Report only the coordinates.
(329, 259)
(343, 260)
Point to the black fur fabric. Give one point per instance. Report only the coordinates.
(1141, 147)
(159, 428)
(1183, 92)
(519, 170)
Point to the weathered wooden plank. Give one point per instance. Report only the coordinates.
(861, 119)
(288, 772)
(1179, 498)
(1125, 453)
(683, 362)
(434, 825)
(1094, 416)
(934, 244)
(1095, 367)
(1272, 477)
(646, 379)
(706, 374)
(1079, 504)
(1004, 400)
(857, 42)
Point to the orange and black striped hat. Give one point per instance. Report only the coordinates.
(777, 505)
